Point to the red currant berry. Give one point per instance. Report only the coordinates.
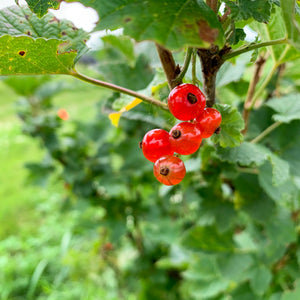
(156, 144)
(185, 138)
(209, 121)
(186, 102)
(169, 170)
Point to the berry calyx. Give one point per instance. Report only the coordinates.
(169, 170)
(156, 144)
(186, 101)
(209, 122)
(185, 138)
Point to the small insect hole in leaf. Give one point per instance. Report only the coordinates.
(22, 52)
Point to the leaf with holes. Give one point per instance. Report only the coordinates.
(173, 24)
(25, 55)
(16, 21)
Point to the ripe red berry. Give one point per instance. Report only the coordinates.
(63, 114)
(208, 122)
(169, 170)
(156, 144)
(185, 138)
(186, 102)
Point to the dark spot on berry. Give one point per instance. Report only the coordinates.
(217, 131)
(192, 98)
(176, 134)
(22, 52)
(127, 20)
(164, 171)
(141, 145)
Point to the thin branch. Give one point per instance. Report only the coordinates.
(194, 58)
(269, 76)
(248, 103)
(226, 15)
(120, 90)
(185, 67)
(266, 132)
(168, 64)
(213, 4)
(251, 47)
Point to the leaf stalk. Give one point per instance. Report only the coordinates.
(251, 47)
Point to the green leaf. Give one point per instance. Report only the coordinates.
(174, 24)
(280, 170)
(246, 154)
(238, 35)
(207, 239)
(291, 25)
(230, 72)
(235, 266)
(275, 29)
(287, 108)
(292, 294)
(260, 280)
(124, 45)
(284, 192)
(25, 55)
(260, 10)
(137, 77)
(231, 126)
(16, 21)
(252, 198)
(40, 7)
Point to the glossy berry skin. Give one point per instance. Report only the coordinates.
(208, 122)
(169, 170)
(185, 138)
(156, 144)
(186, 102)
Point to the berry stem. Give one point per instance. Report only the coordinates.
(266, 132)
(251, 47)
(185, 67)
(194, 76)
(119, 89)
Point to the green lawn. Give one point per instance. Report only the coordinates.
(17, 197)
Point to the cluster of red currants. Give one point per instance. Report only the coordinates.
(187, 103)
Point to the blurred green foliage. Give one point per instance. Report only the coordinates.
(99, 226)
